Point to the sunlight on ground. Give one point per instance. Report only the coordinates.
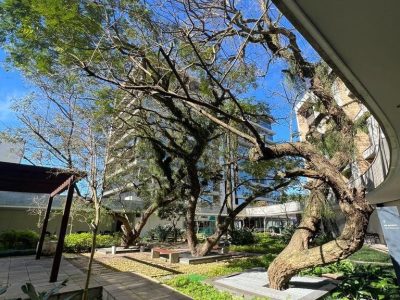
(157, 268)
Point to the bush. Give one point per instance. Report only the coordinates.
(19, 239)
(165, 232)
(287, 234)
(242, 237)
(160, 233)
(360, 281)
(263, 243)
(82, 242)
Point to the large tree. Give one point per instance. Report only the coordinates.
(201, 59)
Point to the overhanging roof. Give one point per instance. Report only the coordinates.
(32, 179)
(359, 40)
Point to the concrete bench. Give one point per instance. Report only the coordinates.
(173, 257)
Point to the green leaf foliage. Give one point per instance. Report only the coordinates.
(368, 282)
(18, 239)
(30, 290)
(39, 33)
(82, 242)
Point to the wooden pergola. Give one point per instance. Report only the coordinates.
(42, 180)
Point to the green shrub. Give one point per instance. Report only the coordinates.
(19, 239)
(360, 281)
(264, 238)
(242, 237)
(164, 232)
(82, 242)
(287, 234)
(8, 239)
(161, 233)
(263, 243)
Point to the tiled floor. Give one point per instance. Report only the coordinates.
(16, 271)
(127, 285)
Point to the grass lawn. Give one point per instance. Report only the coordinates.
(370, 255)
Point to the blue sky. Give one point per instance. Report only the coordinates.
(12, 86)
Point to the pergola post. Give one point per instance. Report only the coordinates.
(63, 229)
(44, 228)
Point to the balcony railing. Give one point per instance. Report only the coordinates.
(274, 210)
(378, 169)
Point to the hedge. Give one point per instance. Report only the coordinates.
(18, 239)
(82, 242)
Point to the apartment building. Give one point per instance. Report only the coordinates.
(370, 143)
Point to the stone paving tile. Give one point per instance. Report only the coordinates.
(16, 271)
(131, 286)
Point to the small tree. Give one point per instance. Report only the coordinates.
(38, 208)
(62, 129)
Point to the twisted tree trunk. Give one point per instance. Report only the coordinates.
(130, 235)
(297, 256)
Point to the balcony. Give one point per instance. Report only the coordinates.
(370, 153)
(210, 210)
(274, 210)
(378, 169)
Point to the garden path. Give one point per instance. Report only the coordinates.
(106, 283)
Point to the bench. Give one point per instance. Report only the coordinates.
(173, 257)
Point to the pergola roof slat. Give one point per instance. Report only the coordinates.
(32, 179)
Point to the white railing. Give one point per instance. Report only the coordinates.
(274, 210)
(209, 210)
(378, 169)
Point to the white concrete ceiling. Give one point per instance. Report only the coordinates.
(360, 39)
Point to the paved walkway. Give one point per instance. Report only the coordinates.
(105, 284)
(127, 285)
(16, 271)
